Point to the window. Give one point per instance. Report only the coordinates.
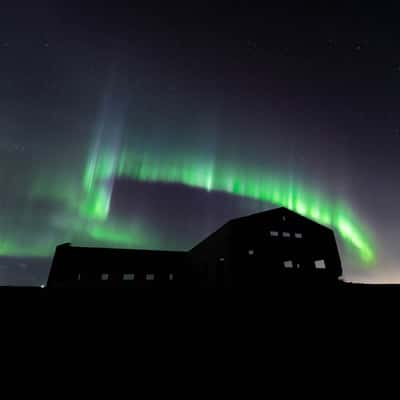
(171, 277)
(129, 277)
(284, 218)
(288, 264)
(286, 234)
(221, 259)
(104, 277)
(251, 252)
(273, 233)
(149, 277)
(320, 264)
(298, 235)
(79, 277)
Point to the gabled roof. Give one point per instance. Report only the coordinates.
(119, 250)
(277, 211)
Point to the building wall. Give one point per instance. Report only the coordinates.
(283, 244)
(267, 247)
(96, 267)
(211, 257)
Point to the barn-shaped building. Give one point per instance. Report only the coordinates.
(267, 248)
(272, 246)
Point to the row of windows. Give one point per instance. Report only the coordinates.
(319, 264)
(286, 234)
(130, 277)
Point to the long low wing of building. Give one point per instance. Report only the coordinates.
(103, 267)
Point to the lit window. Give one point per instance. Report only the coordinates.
(286, 234)
(288, 264)
(221, 259)
(298, 265)
(104, 277)
(320, 264)
(149, 277)
(273, 233)
(171, 277)
(79, 277)
(298, 235)
(284, 218)
(251, 252)
(129, 277)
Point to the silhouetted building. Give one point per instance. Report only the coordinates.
(105, 267)
(267, 248)
(276, 246)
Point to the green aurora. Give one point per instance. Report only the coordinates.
(86, 218)
(245, 183)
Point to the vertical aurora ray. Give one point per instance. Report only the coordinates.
(97, 184)
(103, 161)
(98, 178)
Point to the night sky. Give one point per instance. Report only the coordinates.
(151, 127)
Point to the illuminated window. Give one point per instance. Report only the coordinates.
(171, 277)
(288, 264)
(149, 277)
(129, 277)
(221, 259)
(104, 277)
(273, 233)
(286, 234)
(251, 252)
(79, 277)
(320, 264)
(284, 218)
(298, 235)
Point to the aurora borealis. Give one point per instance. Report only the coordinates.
(273, 190)
(150, 128)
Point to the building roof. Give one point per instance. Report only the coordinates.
(120, 250)
(276, 212)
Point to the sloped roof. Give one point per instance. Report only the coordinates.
(277, 211)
